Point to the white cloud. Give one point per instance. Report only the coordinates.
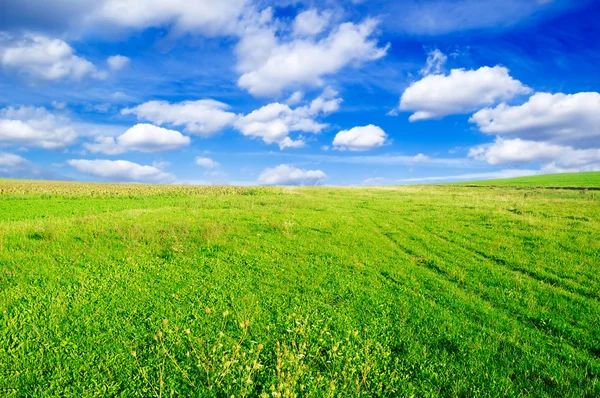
(462, 91)
(42, 58)
(149, 138)
(202, 117)
(310, 22)
(360, 138)
(289, 175)
(553, 156)
(475, 176)
(559, 118)
(141, 137)
(273, 122)
(435, 63)
(35, 127)
(207, 163)
(210, 17)
(117, 62)
(121, 170)
(269, 65)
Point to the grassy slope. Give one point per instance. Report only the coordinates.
(589, 179)
(381, 292)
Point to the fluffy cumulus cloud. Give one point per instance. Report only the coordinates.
(121, 170)
(206, 163)
(41, 58)
(203, 117)
(552, 157)
(461, 91)
(35, 127)
(269, 64)
(360, 138)
(141, 137)
(289, 175)
(117, 62)
(274, 122)
(559, 118)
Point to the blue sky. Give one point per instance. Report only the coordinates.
(298, 92)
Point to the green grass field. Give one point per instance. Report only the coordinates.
(135, 290)
(589, 179)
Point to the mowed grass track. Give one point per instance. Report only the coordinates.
(132, 290)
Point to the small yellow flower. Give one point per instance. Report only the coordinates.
(207, 310)
(225, 313)
(134, 354)
(165, 322)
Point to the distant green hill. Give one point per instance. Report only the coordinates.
(588, 179)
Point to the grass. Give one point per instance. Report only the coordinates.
(587, 179)
(135, 290)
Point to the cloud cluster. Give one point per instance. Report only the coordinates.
(272, 123)
(35, 127)
(289, 175)
(270, 57)
(559, 131)
(121, 170)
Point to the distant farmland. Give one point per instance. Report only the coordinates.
(453, 290)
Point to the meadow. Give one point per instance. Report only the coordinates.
(441, 290)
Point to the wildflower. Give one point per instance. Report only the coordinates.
(207, 310)
(225, 313)
(165, 322)
(134, 354)
(260, 347)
